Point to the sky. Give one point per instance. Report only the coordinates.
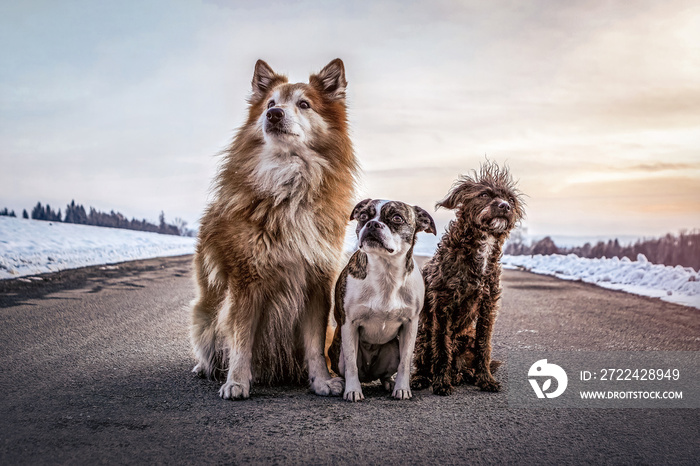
(594, 105)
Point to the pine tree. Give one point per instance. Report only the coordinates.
(70, 213)
(38, 212)
(161, 220)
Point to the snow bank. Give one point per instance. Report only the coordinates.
(29, 247)
(677, 284)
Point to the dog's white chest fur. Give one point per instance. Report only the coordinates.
(381, 303)
(485, 252)
(289, 172)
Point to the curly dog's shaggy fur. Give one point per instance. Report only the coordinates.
(463, 283)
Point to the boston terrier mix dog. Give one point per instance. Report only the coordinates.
(378, 298)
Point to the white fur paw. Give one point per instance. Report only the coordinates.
(402, 394)
(234, 391)
(354, 395)
(333, 386)
(204, 371)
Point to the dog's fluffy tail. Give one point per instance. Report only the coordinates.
(334, 351)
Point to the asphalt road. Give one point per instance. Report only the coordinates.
(95, 368)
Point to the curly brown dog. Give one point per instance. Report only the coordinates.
(462, 283)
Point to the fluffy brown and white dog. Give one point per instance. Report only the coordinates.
(463, 283)
(270, 243)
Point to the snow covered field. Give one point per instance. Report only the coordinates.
(678, 284)
(29, 247)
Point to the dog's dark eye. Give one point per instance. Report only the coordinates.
(484, 195)
(271, 104)
(304, 105)
(363, 217)
(397, 219)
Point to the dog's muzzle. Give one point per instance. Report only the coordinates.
(373, 234)
(275, 121)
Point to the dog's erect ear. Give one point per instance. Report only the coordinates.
(331, 80)
(360, 205)
(424, 221)
(264, 79)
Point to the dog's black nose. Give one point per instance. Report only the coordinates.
(274, 115)
(373, 225)
(504, 206)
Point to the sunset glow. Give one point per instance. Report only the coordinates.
(595, 106)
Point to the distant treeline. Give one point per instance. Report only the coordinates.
(76, 213)
(682, 249)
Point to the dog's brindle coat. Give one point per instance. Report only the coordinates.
(463, 283)
(378, 298)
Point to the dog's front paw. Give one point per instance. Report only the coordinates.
(354, 395)
(402, 394)
(420, 382)
(333, 386)
(487, 383)
(442, 388)
(234, 391)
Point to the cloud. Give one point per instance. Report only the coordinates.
(652, 206)
(661, 166)
(125, 105)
